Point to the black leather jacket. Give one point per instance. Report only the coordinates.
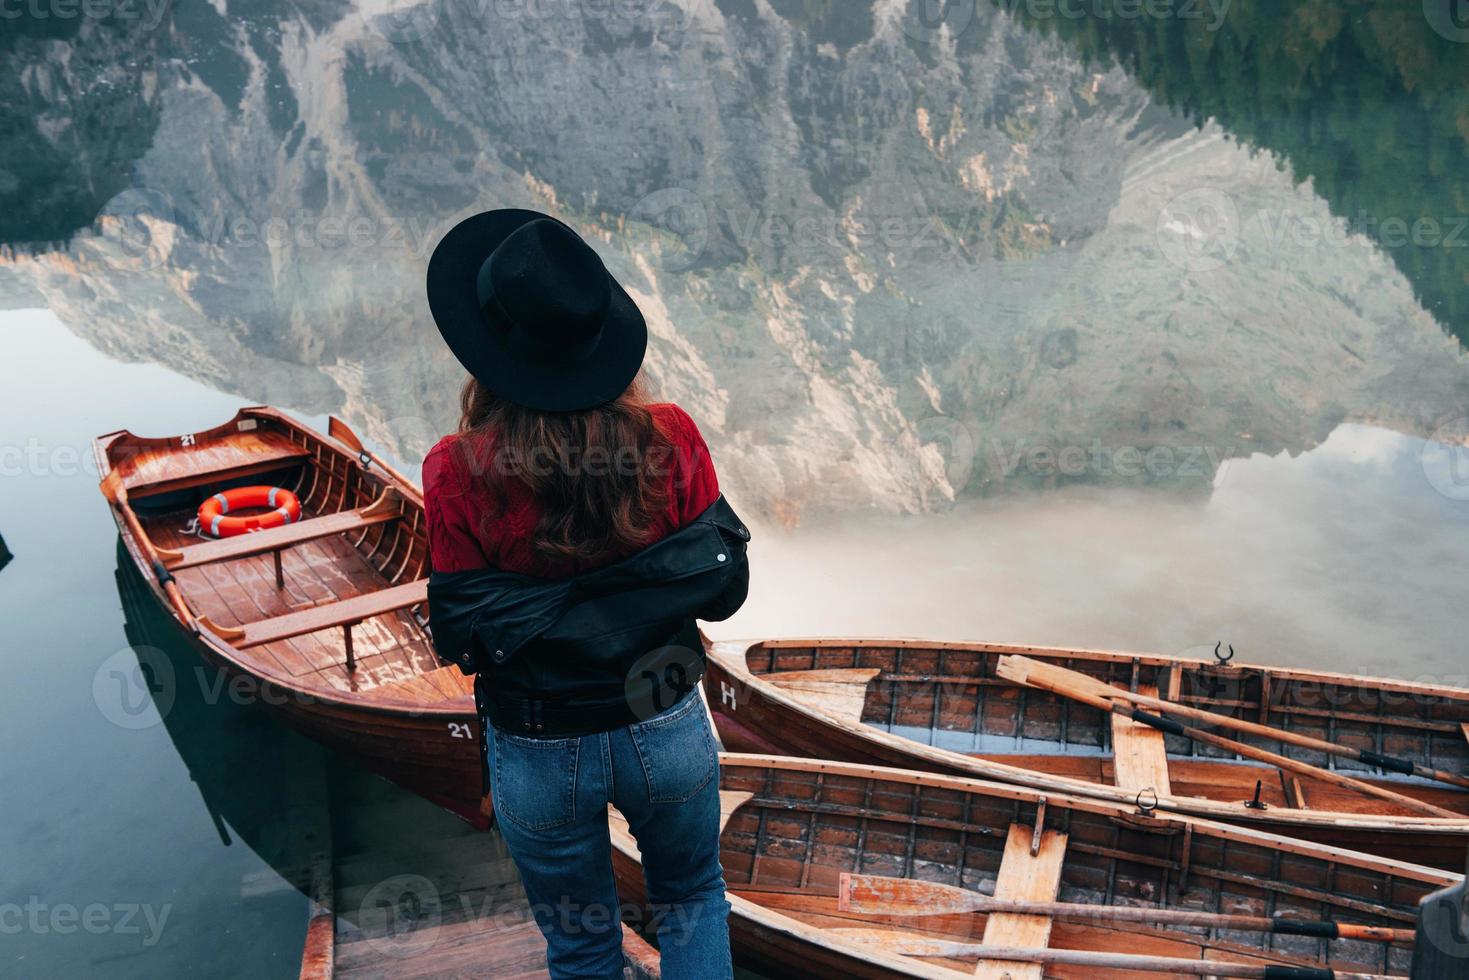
(599, 650)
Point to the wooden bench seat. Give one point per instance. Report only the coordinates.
(1139, 756)
(165, 468)
(345, 614)
(1024, 877)
(385, 508)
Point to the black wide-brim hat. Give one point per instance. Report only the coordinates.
(532, 313)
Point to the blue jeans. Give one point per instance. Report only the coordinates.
(551, 797)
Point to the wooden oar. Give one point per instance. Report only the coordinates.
(1089, 690)
(907, 944)
(1386, 762)
(117, 495)
(880, 895)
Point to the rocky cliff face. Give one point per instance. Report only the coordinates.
(882, 266)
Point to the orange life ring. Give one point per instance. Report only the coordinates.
(285, 509)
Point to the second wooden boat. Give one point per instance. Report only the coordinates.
(944, 707)
(840, 870)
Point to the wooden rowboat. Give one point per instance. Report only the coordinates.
(944, 707)
(836, 869)
(319, 620)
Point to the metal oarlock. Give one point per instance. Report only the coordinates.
(1257, 803)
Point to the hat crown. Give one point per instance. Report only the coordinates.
(532, 313)
(548, 284)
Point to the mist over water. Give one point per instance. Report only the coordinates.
(1346, 558)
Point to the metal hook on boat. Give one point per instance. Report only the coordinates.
(1146, 809)
(1257, 803)
(365, 458)
(1223, 660)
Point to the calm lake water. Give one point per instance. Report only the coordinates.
(1136, 333)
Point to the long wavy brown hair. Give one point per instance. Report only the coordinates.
(599, 476)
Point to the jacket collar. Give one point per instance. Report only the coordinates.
(634, 569)
(516, 608)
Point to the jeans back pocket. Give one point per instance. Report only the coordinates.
(677, 751)
(534, 783)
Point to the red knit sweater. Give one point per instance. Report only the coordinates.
(470, 526)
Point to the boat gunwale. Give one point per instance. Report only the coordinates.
(1062, 799)
(729, 655)
(1450, 692)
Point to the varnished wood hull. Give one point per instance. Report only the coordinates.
(795, 825)
(428, 748)
(754, 715)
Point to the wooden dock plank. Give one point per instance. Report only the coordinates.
(318, 961)
(1023, 877)
(1139, 756)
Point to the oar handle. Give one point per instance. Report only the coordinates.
(1316, 772)
(1121, 706)
(1387, 763)
(117, 494)
(1167, 725)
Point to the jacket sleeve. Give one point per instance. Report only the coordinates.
(451, 619)
(729, 601)
(736, 536)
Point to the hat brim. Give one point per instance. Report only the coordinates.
(599, 376)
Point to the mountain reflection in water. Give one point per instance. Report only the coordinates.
(876, 258)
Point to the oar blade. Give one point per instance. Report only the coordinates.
(881, 895)
(906, 943)
(1038, 673)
